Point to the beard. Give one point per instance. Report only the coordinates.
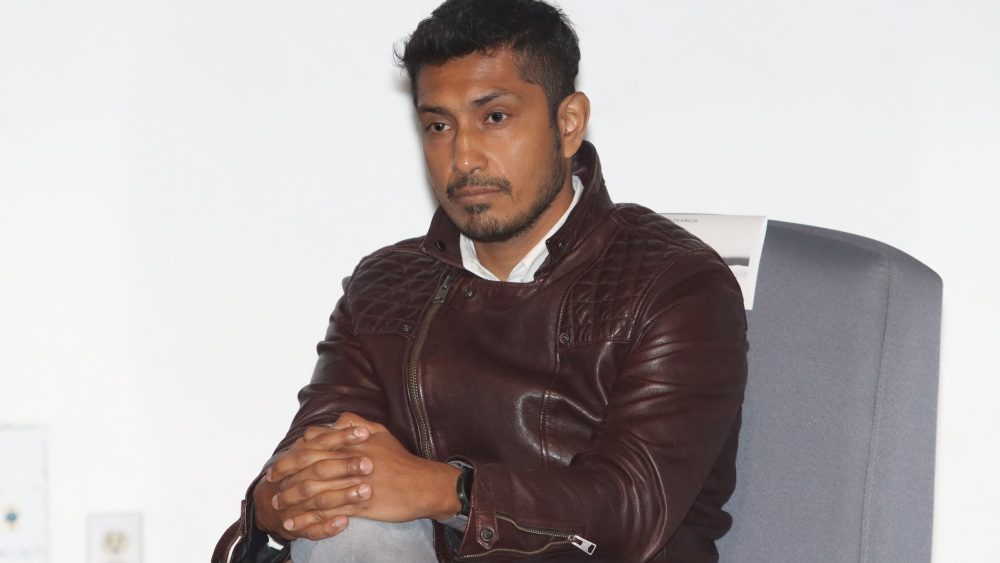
(484, 227)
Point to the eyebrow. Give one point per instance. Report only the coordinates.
(489, 97)
(422, 108)
(476, 103)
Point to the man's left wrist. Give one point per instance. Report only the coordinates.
(463, 487)
(462, 492)
(445, 502)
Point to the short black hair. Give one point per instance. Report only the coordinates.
(541, 37)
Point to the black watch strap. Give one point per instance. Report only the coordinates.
(463, 487)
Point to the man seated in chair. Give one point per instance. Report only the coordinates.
(545, 375)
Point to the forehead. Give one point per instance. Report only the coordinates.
(458, 81)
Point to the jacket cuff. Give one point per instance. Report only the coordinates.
(483, 531)
(480, 533)
(492, 529)
(248, 524)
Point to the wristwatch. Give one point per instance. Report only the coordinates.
(463, 488)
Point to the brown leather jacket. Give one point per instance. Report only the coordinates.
(601, 401)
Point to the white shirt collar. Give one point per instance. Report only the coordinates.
(525, 270)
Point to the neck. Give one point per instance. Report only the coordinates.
(500, 258)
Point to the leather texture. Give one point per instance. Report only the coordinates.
(600, 401)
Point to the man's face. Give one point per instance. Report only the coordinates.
(494, 157)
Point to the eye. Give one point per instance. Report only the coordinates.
(496, 117)
(437, 127)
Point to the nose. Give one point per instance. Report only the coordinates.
(468, 157)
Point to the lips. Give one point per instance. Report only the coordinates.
(470, 188)
(474, 194)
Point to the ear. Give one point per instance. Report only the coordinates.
(571, 119)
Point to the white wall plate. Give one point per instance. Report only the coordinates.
(114, 538)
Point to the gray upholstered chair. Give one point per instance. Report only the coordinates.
(836, 459)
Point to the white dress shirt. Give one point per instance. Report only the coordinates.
(524, 271)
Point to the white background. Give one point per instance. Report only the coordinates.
(183, 184)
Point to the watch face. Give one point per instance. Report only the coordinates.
(464, 487)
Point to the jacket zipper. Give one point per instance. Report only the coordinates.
(578, 542)
(423, 426)
(564, 537)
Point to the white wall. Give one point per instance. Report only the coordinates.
(183, 184)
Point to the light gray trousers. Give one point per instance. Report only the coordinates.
(368, 541)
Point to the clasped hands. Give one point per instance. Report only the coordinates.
(353, 467)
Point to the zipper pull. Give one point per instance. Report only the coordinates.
(443, 290)
(582, 544)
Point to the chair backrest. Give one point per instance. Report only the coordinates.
(836, 460)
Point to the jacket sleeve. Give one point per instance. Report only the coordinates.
(674, 404)
(343, 381)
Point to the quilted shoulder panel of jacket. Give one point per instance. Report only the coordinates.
(391, 287)
(603, 302)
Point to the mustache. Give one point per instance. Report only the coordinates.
(499, 182)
